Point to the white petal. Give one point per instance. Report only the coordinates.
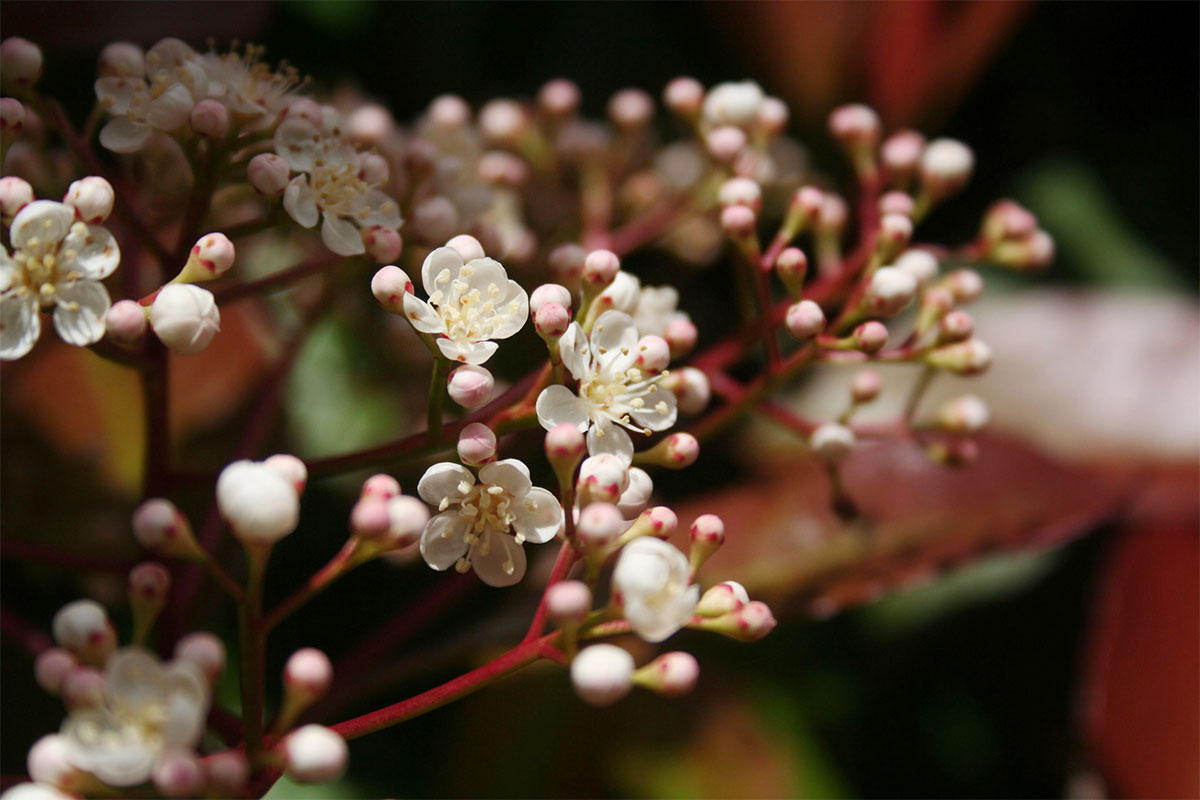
(300, 202)
(441, 481)
(8, 270)
(574, 350)
(437, 262)
(383, 210)
(444, 540)
(558, 404)
(44, 220)
(483, 273)
(422, 315)
(96, 252)
(466, 352)
(608, 437)
(651, 417)
(79, 315)
(509, 474)
(497, 559)
(119, 92)
(615, 338)
(538, 515)
(169, 111)
(123, 135)
(511, 312)
(341, 236)
(20, 325)
(295, 143)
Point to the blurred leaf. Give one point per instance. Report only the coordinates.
(287, 789)
(341, 16)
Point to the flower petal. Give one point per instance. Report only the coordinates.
(660, 410)
(441, 482)
(440, 267)
(300, 202)
(79, 315)
(169, 111)
(116, 93)
(538, 515)
(296, 142)
(466, 352)
(510, 475)
(558, 404)
(615, 338)
(123, 135)
(9, 273)
(608, 437)
(382, 210)
(497, 559)
(422, 315)
(511, 312)
(341, 236)
(96, 254)
(20, 325)
(43, 220)
(575, 351)
(444, 540)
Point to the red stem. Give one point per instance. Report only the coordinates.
(30, 639)
(281, 278)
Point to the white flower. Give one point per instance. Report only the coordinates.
(175, 80)
(614, 394)
(469, 305)
(333, 187)
(733, 103)
(658, 307)
(483, 525)
(148, 709)
(57, 262)
(248, 87)
(651, 580)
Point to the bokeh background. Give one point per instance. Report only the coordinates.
(1068, 664)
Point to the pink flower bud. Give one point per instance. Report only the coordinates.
(470, 386)
(476, 444)
(125, 320)
(551, 320)
(740, 192)
(671, 674)
(963, 415)
(691, 389)
(653, 354)
(724, 598)
(900, 203)
(149, 584)
(20, 62)
(681, 335)
(15, 194)
(382, 486)
(946, 167)
(369, 518)
(865, 386)
(870, 337)
(92, 198)
(122, 60)
(290, 469)
(684, 96)
(559, 98)
(185, 318)
(565, 445)
(382, 244)
(178, 773)
(856, 126)
(52, 667)
(205, 651)
(708, 528)
(449, 112)
(738, 221)
(498, 168)
(162, 529)
(407, 516)
(600, 268)
(389, 285)
(83, 628)
(49, 763)
(599, 525)
(315, 754)
(83, 688)
(227, 773)
(637, 494)
(772, 116)
(549, 293)
(894, 231)
(211, 257)
(466, 246)
(503, 121)
(259, 504)
(753, 621)
(566, 264)
(568, 602)
(630, 109)
(901, 153)
(831, 219)
(965, 285)
(210, 119)
(889, 291)
(435, 219)
(963, 358)
(602, 477)
(725, 144)
(602, 674)
(659, 522)
(832, 441)
(268, 174)
(804, 320)
(308, 673)
(920, 264)
(1006, 219)
(956, 326)
(370, 125)
(679, 450)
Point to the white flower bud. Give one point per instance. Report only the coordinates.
(568, 602)
(470, 386)
(467, 246)
(559, 97)
(15, 194)
(503, 121)
(52, 667)
(920, 264)
(209, 118)
(125, 320)
(602, 674)
(227, 773)
(551, 321)
(369, 518)
(681, 335)
(630, 109)
(738, 221)
(772, 116)
(671, 674)
(659, 522)
(35, 791)
(889, 291)
(290, 469)
(476, 444)
(185, 317)
(792, 265)
(963, 415)
(898, 203)
(725, 144)
(449, 113)
(389, 285)
(20, 62)
(407, 517)
(676, 451)
(566, 264)
(832, 441)
(258, 503)
(740, 192)
(600, 268)
(83, 688)
(83, 628)
(49, 762)
(382, 244)
(856, 126)
(149, 584)
(724, 598)
(564, 445)
(122, 60)
(733, 103)
(901, 152)
(752, 622)
(211, 257)
(622, 294)
(434, 219)
(1007, 219)
(684, 96)
(653, 354)
(963, 358)
(708, 528)
(599, 525)
(691, 389)
(205, 651)
(865, 386)
(162, 529)
(549, 293)
(382, 486)
(651, 583)
(831, 219)
(602, 477)
(870, 337)
(178, 773)
(956, 326)
(895, 230)
(268, 174)
(946, 166)
(804, 320)
(315, 754)
(92, 198)
(309, 673)
(370, 125)
(965, 285)
(636, 496)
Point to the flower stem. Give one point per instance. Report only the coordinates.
(347, 559)
(252, 647)
(437, 397)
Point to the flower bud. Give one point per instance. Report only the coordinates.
(122, 60)
(895, 230)
(149, 584)
(945, 167)
(389, 285)
(370, 125)
(936, 301)
(870, 337)
(707, 535)
(434, 219)
(52, 667)
(637, 494)
(733, 103)
(684, 96)
(382, 486)
(549, 293)
(476, 444)
(258, 503)
(449, 113)
(724, 598)
(227, 773)
(832, 441)
(738, 222)
(963, 358)
(374, 169)
(92, 198)
(125, 320)
(566, 265)
(205, 651)
(792, 266)
(752, 622)
(599, 525)
(1035, 251)
(551, 321)
(83, 688)
(315, 754)
(630, 109)
(831, 220)
(677, 451)
(681, 335)
(211, 257)
(49, 763)
(1007, 219)
(920, 264)
(308, 674)
(602, 477)
(83, 628)
(965, 285)
(622, 294)
(185, 318)
(865, 386)
(470, 386)
(407, 516)
(565, 445)
(855, 126)
(690, 387)
(162, 529)
(467, 246)
(568, 603)
(804, 320)
(956, 326)
(899, 203)
(963, 415)
(20, 62)
(659, 522)
(268, 174)
(290, 469)
(210, 119)
(653, 354)
(602, 674)
(559, 98)
(889, 291)
(724, 144)
(741, 192)
(671, 674)
(772, 116)
(900, 154)
(178, 773)
(382, 244)
(15, 194)
(369, 518)
(600, 268)
(503, 122)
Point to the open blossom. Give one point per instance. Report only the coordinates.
(248, 87)
(161, 100)
(658, 307)
(57, 262)
(148, 710)
(483, 525)
(469, 305)
(614, 394)
(651, 582)
(334, 186)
